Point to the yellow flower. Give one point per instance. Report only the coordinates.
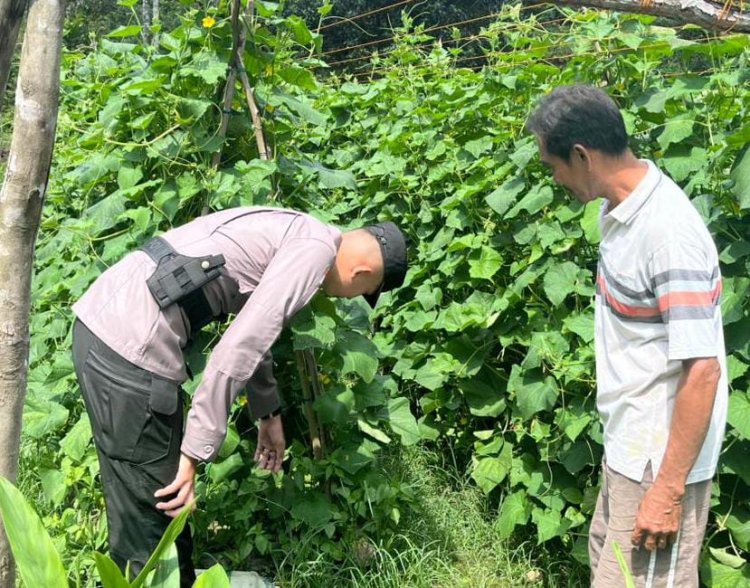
(208, 21)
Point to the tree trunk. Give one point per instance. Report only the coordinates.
(11, 15)
(155, 9)
(21, 199)
(145, 22)
(698, 12)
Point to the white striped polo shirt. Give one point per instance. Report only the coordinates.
(657, 303)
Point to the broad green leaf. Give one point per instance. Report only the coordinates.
(680, 163)
(167, 570)
(402, 421)
(582, 324)
(536, 199)
(222, 470)
(127, 31)
(298, 76)
(53, 485)
(514, 511)
(207, 66)
(104, 214)
(484, 263)
(738, 414)
(302, 34)
(313, 331)
(37, 561)
(231, 441)
(359, 355)
(479, 146)
(560, 281)
(484, 393)
(214, 577)
(590, 222)
(42, 417)
(741, 175)
(533, 393)
(738, 523)
(127, 176)
(491, 471)
(549, 524)
(735, 368)
(675, 130)
(75, 443)
(170, 536)
(314, 510)
(524, 151)
(503, 197)
(373, 432)
(109, 573)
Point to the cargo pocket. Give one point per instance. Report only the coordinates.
(162, 424)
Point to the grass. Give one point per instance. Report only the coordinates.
(450, 540)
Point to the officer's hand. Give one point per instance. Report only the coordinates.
(658, 519)
(183, 485)
(271, 444)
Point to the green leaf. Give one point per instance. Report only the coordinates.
(298, 76)
(501, 198)
(170, 536)
(75, 443)
(42, 417)
(533, 393)
(402, 421)
(302, 34)
(741, 175)
(590, 222)
(582, 324)
(313, 331)
(483, 264)
(738, 523)
(514, 511)
(207, 66)
(549, 524)
(484, 393)
(479, 146)
(214, 577)
(676, 129)
(536, 199)
(37, 561)
(53, 485)
(373, 432)
(314, 510)
(488, 472)
(127, 31)
(680, 163)
(222, 470)
(167, 570)
(738, 414)
(231, 441)
(560, 281)
(109, 573)
(359, 355)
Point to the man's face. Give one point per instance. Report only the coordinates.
(573, 175)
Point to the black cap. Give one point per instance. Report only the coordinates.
(393, 247)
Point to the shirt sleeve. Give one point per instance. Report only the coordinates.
(687, 284)
(262, 389)
(290, 280)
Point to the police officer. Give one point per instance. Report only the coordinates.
(260, 264)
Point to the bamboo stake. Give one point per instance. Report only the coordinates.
(305, 359)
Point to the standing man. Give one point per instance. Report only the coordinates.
(660, 360)
(261, 264)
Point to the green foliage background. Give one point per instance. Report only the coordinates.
(485, 354)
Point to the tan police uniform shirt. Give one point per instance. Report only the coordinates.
(277, 258)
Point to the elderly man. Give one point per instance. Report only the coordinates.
(660, 360)
(260, 264)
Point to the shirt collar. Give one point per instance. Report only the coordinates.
(628, 208)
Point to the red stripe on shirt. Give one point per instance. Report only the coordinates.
(670, 299)
(622, 308)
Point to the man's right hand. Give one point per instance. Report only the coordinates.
(183, 486)
(271, 444)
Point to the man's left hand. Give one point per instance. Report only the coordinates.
(271, 444)
(658, 520)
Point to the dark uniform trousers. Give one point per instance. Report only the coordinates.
(136, 418)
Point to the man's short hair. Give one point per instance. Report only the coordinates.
(582, 115)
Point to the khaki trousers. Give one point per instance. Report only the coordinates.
(676, 566)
